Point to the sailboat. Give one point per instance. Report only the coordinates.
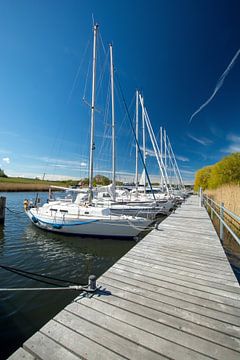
(88, 218)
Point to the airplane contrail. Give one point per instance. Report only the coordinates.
(218, 86)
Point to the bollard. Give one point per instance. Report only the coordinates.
(221, 223)
(92, 286)
(2, 209)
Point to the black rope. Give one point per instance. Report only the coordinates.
(134, 133)
(13, 211)
(30, 275)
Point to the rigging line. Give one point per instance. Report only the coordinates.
(100, 81)
(86, 80)
(107, 126)
(21, 272)
(100, 36)
(125, 113)
(134, 133)
(78, 72)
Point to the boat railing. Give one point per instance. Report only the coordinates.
(227, 220)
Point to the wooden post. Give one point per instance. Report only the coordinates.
(200, 197)
(2, 209)
(221, 223)
(211, 208)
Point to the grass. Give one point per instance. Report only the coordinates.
(229, 195)
(25, 184)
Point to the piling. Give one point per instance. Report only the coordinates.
(2, 209)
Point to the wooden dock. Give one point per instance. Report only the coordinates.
(172, 296)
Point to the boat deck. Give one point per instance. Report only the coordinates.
(172, 296)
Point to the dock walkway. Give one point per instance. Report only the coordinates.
(172, 296)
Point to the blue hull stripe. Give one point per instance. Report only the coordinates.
(63, 224)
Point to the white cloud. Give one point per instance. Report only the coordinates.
(182, 158)
(234, 144)
(218, 85)
(83, 164)
(6, 160)
(203, 141)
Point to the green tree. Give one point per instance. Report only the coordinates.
(202, 178)
(101, 180)
(226, 171)
(2, 174)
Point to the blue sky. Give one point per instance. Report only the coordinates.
(174, 51)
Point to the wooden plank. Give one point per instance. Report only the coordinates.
(188, 267)
(21, 354)
(156, 289)
(180, 273)
(212, 319)
(176, 287)
(228, 291)
(45, 348)
(161, 346)
(98, 327)
(69, 333)
(178, 331)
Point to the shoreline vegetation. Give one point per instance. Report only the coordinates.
(228, 194)
(12, 184)
(221, 182)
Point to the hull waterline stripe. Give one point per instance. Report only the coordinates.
(63, 224)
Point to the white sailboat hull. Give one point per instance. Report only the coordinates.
(112, 226)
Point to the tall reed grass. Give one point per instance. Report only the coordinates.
(229, 195)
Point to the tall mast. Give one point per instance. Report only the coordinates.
(113, 123)
(161, 151)
(92, 144)
(136, 172)
(165, 148)
(144, 144)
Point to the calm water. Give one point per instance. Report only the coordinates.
(25, 247)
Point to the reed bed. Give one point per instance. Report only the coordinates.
(229, 195)
(23, 187)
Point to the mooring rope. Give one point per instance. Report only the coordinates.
(14, 211)
(91, 287)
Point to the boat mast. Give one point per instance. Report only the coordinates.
(92, 144)
(136, 172)
(144, 144)
(161, 152)
(113, 124)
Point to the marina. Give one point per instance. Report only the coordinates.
(173, 295)
(121, 240)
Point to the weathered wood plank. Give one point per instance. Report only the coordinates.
(159, 345)
(203, 316)
(169, 271)
(45, 348)
(98, 326)
(70, 335)
(156, 289)
(21, 354)
(229, 291)
(140, 276)
(170, 328)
